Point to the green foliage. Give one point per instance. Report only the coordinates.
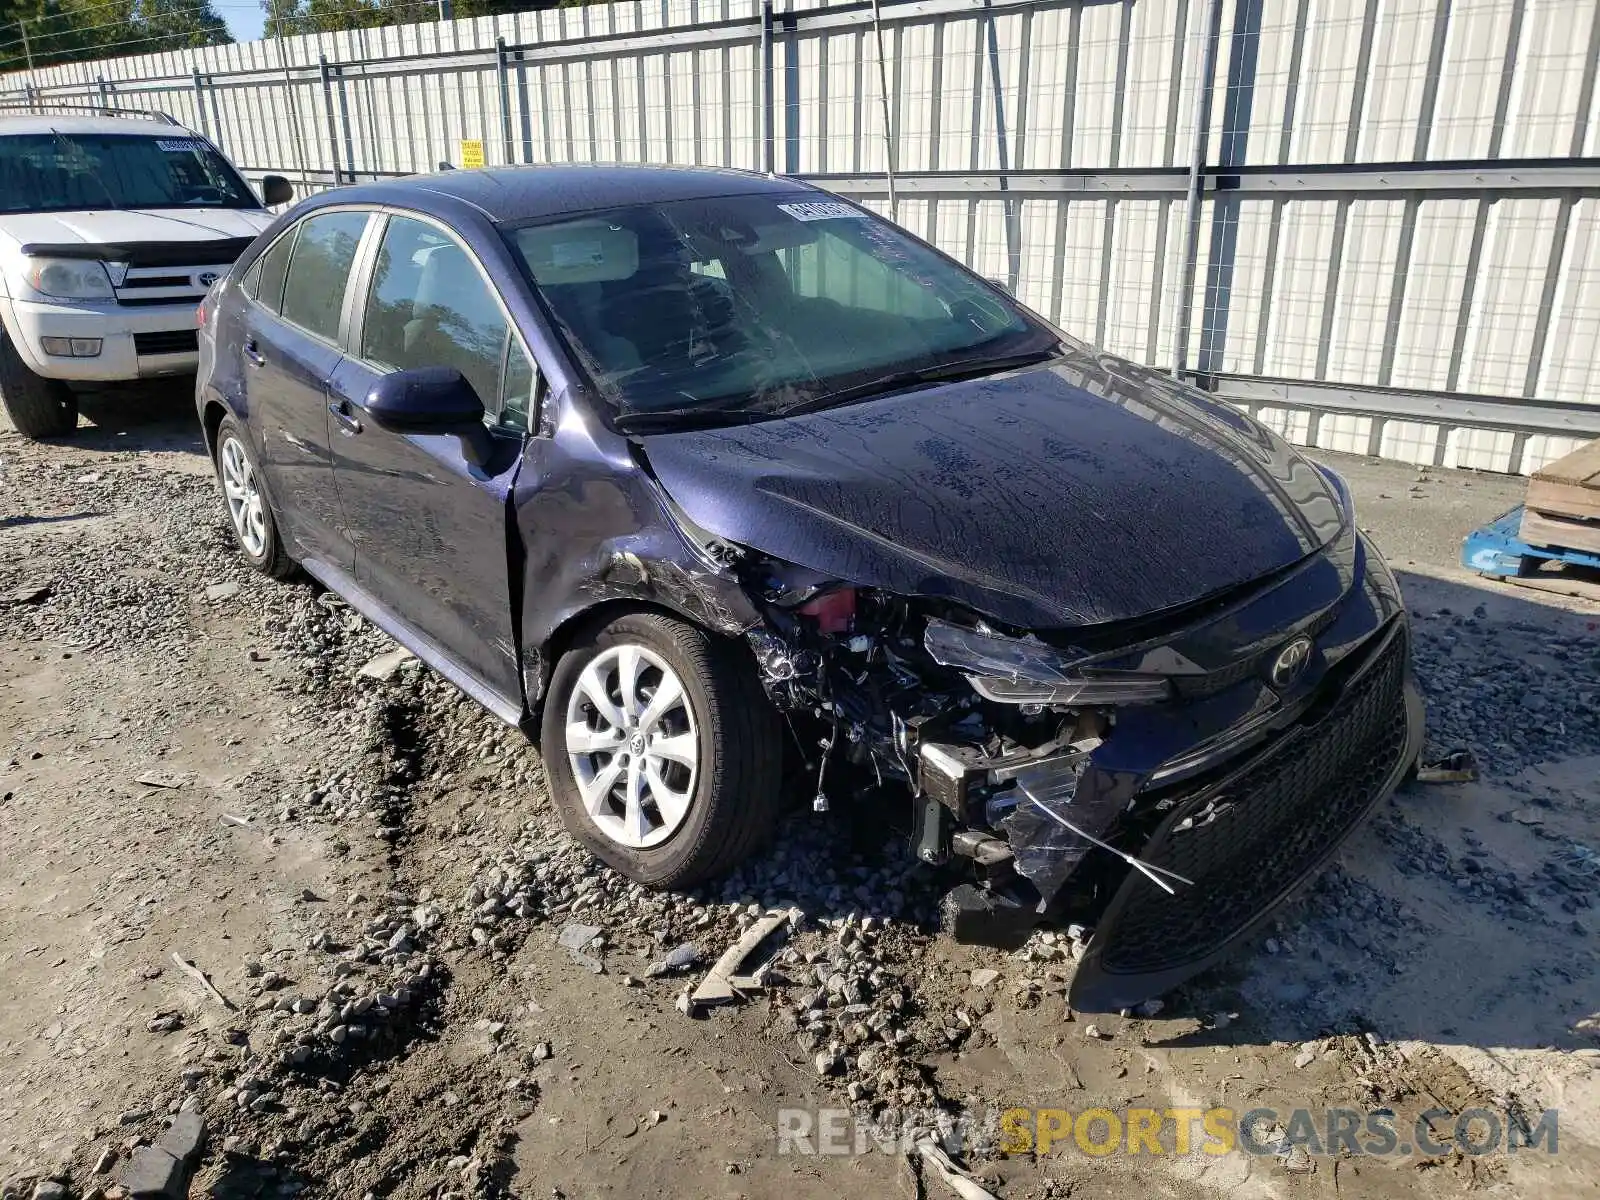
(66, 30)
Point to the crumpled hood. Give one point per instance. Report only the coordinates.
(98, 226)
(1084, 491)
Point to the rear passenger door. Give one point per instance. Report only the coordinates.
(428, 511)
(291, 346)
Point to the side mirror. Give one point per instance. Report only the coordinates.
(424, 399)
(275, 189)
(1004, 287)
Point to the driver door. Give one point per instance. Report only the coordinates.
(427, 512)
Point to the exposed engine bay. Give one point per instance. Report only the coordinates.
(990, 732)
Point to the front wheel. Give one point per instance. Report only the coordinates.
(662, 750)
(38, 407)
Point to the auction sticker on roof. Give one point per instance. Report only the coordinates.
(821, 210)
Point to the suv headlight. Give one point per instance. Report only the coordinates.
(1022, 671)
(68, 279)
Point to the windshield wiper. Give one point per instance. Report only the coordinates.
(965, 368)
(694, 416)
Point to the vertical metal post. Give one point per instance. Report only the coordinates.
(503, 75)
(105, 92)
(27, 50)
(333, 131)
(445, 10)
(1197, 163)
(199, 100)
(344, 123)
(294, 106)
(883, 102)
(767, 116)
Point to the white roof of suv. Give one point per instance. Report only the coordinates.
(46, 122)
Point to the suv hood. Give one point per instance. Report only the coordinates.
(124, 225)
(1083, 491)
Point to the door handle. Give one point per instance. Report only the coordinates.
(253, 355)
(349, 423)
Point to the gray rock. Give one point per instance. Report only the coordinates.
(184, 1137)
(153, 1174)
(49, 1189)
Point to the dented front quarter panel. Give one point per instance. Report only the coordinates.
(595, 528)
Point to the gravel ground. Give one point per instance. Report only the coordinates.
(415, 985)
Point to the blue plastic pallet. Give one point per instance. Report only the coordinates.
(1498, 549)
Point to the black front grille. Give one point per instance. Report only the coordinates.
(1198, 687)
(1267, 828)
(169, 341)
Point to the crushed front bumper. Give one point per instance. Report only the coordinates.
(1248, 840)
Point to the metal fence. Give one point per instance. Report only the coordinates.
(1374, 223)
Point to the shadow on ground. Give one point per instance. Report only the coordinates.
(150, 415)
(1461, 913)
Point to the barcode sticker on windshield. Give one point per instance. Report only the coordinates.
(177, 145)
(821, 210)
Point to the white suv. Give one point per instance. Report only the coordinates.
(112, 228)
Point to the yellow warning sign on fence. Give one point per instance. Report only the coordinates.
(471, 152)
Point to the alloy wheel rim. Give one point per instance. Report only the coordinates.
(634, 746)
(245, 505)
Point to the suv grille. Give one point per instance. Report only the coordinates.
(1290, 808)
(145, 286)
(173, 341)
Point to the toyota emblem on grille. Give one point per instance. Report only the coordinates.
(206, 278)
(1291, 661)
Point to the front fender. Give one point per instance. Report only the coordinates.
(595, 529)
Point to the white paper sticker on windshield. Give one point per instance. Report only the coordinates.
(177, 145)
(821, 210)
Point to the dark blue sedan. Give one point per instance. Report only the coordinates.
(713, 482)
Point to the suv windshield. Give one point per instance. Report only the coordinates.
(59, 172)
(739, 306)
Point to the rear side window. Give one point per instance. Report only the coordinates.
(263, 282)
(319, 270)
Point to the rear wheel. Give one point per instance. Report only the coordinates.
(249, 514)
(663, 752)
(38, 407)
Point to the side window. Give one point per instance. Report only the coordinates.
(519, 389)
(319, 269)
(430, 307)
(251, 280)
(268, 272)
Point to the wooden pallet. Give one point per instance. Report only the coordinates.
(1563, 505)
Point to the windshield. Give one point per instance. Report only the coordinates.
(58, 172)
(747, 305)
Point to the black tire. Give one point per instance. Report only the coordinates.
(734, 804)
(270, 558)
(38, 407)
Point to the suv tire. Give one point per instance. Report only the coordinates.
(38, 407)
(723, 717)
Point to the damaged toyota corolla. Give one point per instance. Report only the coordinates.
(708, 479)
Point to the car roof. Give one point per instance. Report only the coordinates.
(49, 122)
(513, 194)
